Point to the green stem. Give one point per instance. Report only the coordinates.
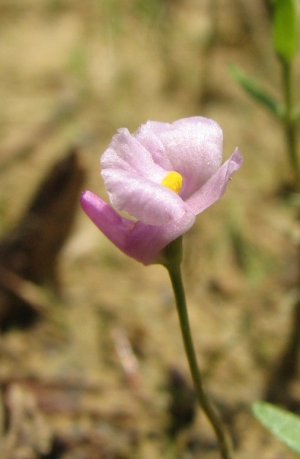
(289, 124)
(174, 270)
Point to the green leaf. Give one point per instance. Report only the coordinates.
(281, 423)
(255, 90)
(285, 29)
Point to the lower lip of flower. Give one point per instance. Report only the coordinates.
(173, 181)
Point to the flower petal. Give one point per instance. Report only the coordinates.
(143, 199)
(135, 239)
(148, 136)
(126, 153)
(191, 146)
(215, 187)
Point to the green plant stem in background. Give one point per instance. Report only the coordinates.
(172, 261)
(289, 122)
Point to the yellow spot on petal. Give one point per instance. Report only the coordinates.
(173, 180)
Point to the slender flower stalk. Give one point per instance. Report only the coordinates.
(285, 34)
(289, 122)
(172, 261)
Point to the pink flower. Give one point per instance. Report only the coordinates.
(163, 175)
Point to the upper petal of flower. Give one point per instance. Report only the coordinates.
(191, 146)
(126, 153)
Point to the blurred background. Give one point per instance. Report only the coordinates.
(91, 359)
